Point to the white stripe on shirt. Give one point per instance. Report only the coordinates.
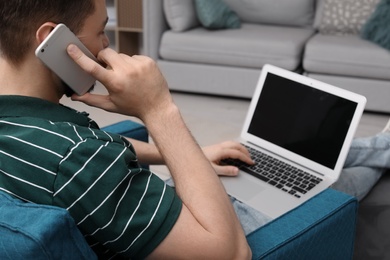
(82, 168)
(102, 203)
(36, 146)
(116, 208)
(28, 163)
(150, 222)
(101, 176)
(39, 128)
(26, 182)
(135, 211)
(72, 151)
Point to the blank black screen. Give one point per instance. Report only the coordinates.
(302, 119)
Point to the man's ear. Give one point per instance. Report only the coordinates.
(43, 31)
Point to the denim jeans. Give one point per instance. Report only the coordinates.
(250, 218)
(367, 160)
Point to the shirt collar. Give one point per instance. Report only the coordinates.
(23, 106)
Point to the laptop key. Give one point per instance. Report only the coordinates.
(299, 189)
(274, 183)
(277, 173)
(261, 177)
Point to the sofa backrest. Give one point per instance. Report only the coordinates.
(278, 12)
(181, 14)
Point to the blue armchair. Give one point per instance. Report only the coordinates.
(322, 228)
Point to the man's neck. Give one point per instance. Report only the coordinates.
(30, 78)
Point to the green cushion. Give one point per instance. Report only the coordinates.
(377, 27)
(215, 14)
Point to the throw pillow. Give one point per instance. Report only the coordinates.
(180, 14)
(215, 14)
(342, 17)
(377, 27)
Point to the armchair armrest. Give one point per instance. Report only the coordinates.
(154, 25)
(129, 129)
(33, 231)
(321, 228)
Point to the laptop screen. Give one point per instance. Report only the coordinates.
(302, 119)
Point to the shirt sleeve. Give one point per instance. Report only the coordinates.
(116, 204)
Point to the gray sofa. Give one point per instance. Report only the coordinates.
(284, 33)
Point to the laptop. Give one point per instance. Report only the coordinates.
(302, 130)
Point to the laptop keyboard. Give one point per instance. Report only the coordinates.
(283, 176)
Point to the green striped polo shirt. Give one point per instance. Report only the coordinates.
(51, 154)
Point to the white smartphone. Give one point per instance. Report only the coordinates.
(52, 52)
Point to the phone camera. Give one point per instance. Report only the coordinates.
(43, 50)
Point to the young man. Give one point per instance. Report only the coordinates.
(53, 155)
(50, 154)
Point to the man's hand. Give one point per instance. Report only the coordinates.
(135, 85)
(148, 154)
(216, 153)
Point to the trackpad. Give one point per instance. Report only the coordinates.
(242, 187)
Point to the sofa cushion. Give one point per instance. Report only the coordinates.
(215, 14)
(377, 27)
(180, 14)
(31, 231)
(251, 46)
(343, 17)
(347, 55)
(278, 12)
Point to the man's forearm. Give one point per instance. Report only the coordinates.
(147, 153)
(196, 182)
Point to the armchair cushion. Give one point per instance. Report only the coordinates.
(32, 231)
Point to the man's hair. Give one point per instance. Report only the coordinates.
(20, 19)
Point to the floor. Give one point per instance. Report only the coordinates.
(214, 119)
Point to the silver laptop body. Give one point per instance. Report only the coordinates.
(303, 123)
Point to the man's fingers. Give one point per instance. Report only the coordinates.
(86, 63)
(226, 170)
(111, 58)
(95, 100)
(236, 151)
